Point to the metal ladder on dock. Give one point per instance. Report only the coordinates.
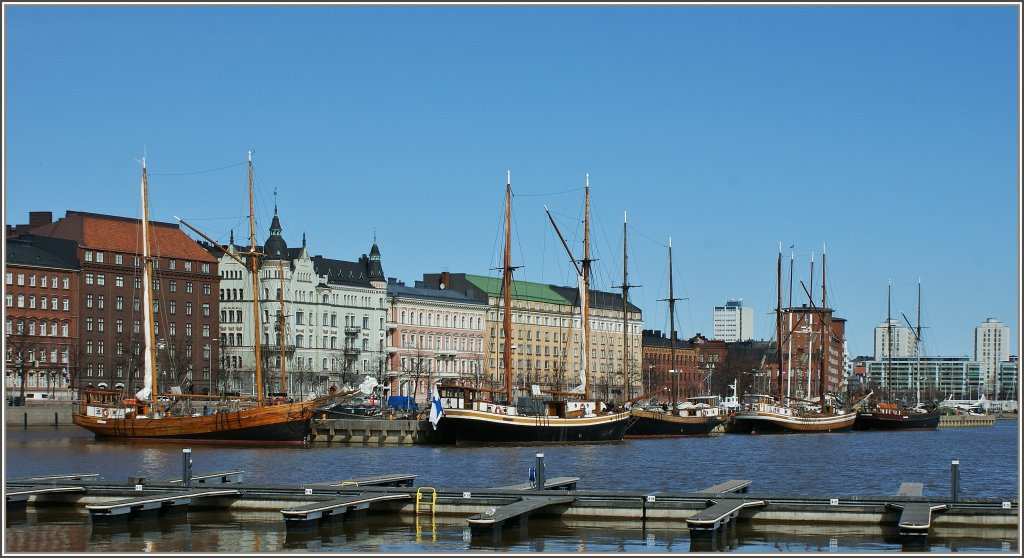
(421, 501)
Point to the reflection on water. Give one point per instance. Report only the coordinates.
(52, 530)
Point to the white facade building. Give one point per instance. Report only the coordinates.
(991, 347)
(904, 343)
(733, 322)
(332, 313)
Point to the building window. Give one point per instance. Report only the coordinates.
(173, 286)
(206, 289)
(66, 283)
(119, 281)
(188, 265)
(101, 279)
(88, 255)
(118, 259)
(188, 284)
(89, 279)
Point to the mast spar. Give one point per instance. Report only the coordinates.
(147, 300)
(254, 272)
(506, 288)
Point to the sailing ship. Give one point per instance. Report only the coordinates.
(465, 414)
(148, 414)
(887, 415)
(765, 414)
(688, 420)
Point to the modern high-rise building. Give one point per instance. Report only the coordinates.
(902, 345)
(733, 322)
(991, 347)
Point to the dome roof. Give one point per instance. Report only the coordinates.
(275, 248)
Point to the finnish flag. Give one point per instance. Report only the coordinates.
(436, 411)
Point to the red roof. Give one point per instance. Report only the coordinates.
(121, 234)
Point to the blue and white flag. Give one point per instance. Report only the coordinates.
(436, 411)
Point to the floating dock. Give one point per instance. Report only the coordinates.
(705, 513)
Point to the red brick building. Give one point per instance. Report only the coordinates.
(186, 301)
(802, 350)
(41, 315)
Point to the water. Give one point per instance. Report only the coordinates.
(855, 463)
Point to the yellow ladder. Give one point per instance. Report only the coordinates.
(433, 499)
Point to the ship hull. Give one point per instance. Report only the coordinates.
(759, 422)
(897, 421)
(464, 426)
(276, 423)
(651, 424)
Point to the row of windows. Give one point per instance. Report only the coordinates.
(42, 355)
(45, 303)
(44, 281)
(172, 264)
(43, 328)
(417, 365)
(442, 320)
(450, 343)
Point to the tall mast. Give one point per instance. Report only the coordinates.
(918, 371)
(810, 330)
(253, 271)
(789, 337)
(778, 323)
(506, 288)
(147, 296)
(672, 332)
(586, 289)
(888, 341)
(625, 315)
(826, 338)
(280, 325)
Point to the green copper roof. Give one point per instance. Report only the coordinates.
(521, 290)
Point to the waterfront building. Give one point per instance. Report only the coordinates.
(1007, 386)
(109, 319)
(991, 347)
(660, 371)
(332, 313)
(547, 335)
(937, 377)
(802, 331)
(733, 322)
(41, 292)
(434, 335)
(903, 342)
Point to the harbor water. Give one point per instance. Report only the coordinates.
(847, 464)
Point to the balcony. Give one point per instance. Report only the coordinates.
(352, 351)
(391, 326)
(446, 353)
(288, 349)
(353, 331)
(392, 350)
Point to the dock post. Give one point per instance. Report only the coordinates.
(954, 485)
(186, 466)
(25, 427)
(541, 480)
(55, 421)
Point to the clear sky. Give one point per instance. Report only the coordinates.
(889, 133)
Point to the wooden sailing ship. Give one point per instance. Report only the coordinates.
(780, 414)
(675, 421)
(147, 414)
(888, 415)
(466, 414)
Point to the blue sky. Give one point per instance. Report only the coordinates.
(889, 133)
